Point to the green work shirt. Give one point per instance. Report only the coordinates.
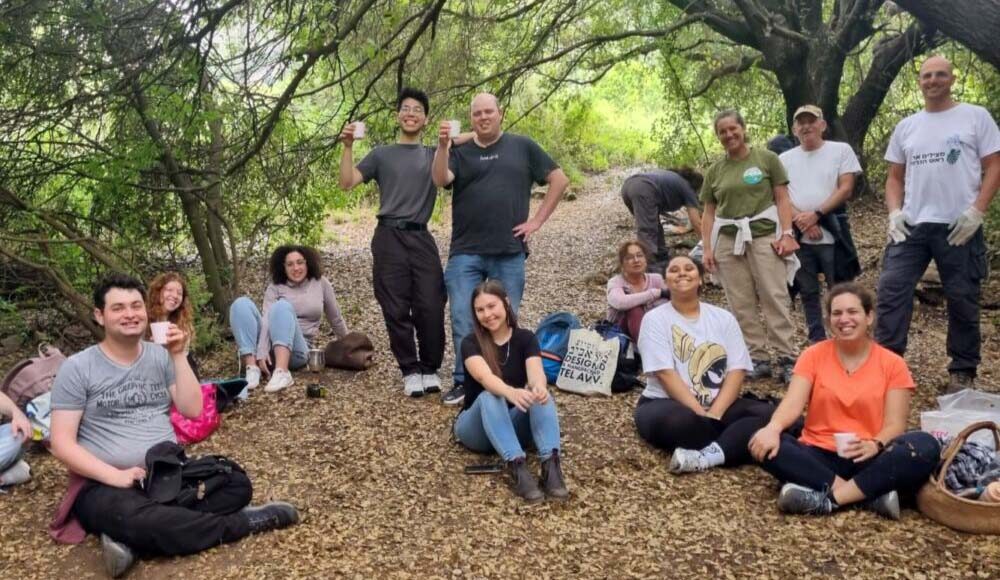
(744, 188)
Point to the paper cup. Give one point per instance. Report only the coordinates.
(843, 440)
(359, 129)
(454, 128)
(159, 331)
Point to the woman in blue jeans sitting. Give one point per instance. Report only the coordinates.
(13, 436)
(856, 391)
(507, 404)
(295, 303)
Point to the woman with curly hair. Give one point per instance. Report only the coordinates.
(295, 302)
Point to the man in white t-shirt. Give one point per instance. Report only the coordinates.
(944, 169)
(821, 178)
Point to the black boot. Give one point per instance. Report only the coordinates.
(524, 484)
(552, 477)
(271, 516)
(118, 557)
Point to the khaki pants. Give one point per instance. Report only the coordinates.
(756, 281)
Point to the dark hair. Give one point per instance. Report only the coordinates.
(416, 95)
(484, 339)
(314, 268)
(116, 280)
(690, 175)
(623, 250)
(697, 264)
(727, 114)
(864, 295)
(781, 143)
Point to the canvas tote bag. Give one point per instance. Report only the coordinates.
(589, 365)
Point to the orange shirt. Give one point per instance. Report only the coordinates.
(842, 403)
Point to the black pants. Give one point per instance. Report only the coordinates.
(641, 200)
(666, 424)
(962, 270)
(816, 259)
(153, 529)
(409, 286)
(905, 465)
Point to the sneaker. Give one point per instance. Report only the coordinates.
(552, 478)
(959, 380)
(687, 461)
(118, 557)
(761, 369)
(16, 474)
(432, 383)
(271, 516)
(253, 377)
(798, 499)
(456, 396)
(524, 484)
(784, 369)
(885, 505)
(413, 385)
(280, 379)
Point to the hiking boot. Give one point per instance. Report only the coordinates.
(253, 377)
(432, 383)
(455, 396)
(798, 499)
(761, 369)
(118, 557)
(885, 505)
(271, 516)
(687, 461)
(784, 369)
(552, 477)
(280, 379)
(524, 484)
(413, 385)
(958, 381)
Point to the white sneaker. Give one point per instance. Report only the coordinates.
(253, 377)
(19, 473)
(687, 461)
(280, 379)
(432, 383)
(413, 385)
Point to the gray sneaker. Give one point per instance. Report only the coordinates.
(958, 381)
(798, 499)
(885, 505)
(118, 557)
(761, 369)
(456, 396)
(687, 461)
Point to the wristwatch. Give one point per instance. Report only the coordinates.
(819, 213)
(789, 233)
(878, 443)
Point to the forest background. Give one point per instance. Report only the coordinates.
(142, 135)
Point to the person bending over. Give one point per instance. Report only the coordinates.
(295, 302)
(507, 404)
(110, 404)
(851, 384)
(695, 360)
(633, 292)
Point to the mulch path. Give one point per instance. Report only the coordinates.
(380, 485)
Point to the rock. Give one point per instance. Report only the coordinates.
(11, 343)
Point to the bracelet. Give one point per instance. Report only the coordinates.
(878, 443)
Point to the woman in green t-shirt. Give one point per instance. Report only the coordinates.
(747, 235)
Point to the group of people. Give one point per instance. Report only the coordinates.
(764, 221)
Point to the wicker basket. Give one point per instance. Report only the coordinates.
(942, 506)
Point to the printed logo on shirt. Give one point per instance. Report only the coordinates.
(489, 157)
(753, 176)
(134, 401)
(954, 149)
(706, 365)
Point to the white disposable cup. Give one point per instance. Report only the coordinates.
(454, 128)
(159, 331)
(359, 129)
(843, 440)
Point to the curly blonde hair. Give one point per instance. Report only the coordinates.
(183, 316)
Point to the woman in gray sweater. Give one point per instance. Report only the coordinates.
(295, 302)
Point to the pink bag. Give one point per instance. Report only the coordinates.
(194, 430)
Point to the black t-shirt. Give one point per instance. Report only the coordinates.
(522, 346)
(672, 190)
(492, 193)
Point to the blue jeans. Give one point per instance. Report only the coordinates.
(10, 447)
(461, 276)
(489, 425)
(283, 328)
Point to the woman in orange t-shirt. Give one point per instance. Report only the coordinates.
(859, 391)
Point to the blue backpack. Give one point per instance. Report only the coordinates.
(553, 338)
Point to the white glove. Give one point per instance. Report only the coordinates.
(897, 226)
(965, 226)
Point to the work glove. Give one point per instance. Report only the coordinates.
(965, 226)
(897, 226)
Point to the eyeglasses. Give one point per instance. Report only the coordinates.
(414, 110)
(635, 257)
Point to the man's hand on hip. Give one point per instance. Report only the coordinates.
(525, 230)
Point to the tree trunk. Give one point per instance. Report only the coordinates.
(973, 23)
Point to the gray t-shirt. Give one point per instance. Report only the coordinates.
(672, 191)
(125, 408)
(403, 174)
(493, 193)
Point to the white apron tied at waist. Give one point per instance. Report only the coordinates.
(744, 236)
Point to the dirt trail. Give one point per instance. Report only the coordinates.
(380, 483)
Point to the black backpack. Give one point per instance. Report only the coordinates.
(629, 366)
